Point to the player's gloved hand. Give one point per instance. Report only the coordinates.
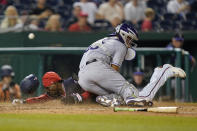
(77, 98)
(18, 101)
(74, 98)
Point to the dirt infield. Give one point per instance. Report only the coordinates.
(55, 107)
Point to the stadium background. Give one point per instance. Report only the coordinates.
(163, 30)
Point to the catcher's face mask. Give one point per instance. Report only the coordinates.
(129, 43)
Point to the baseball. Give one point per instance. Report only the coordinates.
(31, 36)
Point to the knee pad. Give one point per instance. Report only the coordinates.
(129, 90)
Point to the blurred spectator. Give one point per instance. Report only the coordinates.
(134, 11)
(138, 79)
(29, 23)
(53, 23)
(81, 24)
(11, 18)
(3, 2)
(89, 8)
(41, 10)
(178, 7)
(76, 11)
(111, 11)
(177, 42)
(147, 23)
(8, 89)
(34, 25)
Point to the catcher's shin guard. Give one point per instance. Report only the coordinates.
(110, 100)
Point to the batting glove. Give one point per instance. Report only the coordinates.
(18, 101)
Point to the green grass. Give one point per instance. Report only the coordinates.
(82, 122)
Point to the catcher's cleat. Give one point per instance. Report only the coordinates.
(105, 101)
(178, 72)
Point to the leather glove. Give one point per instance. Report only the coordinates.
(18, 101)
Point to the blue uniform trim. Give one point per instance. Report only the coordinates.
(116, 64)
(119, 37)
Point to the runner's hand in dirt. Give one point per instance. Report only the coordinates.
(18, 101)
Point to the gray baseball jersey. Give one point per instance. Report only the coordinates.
(108, 50)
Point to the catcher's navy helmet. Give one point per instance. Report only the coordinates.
(6, 70)
(29, 84)
(125, 31)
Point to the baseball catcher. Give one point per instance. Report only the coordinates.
(99, 70)
(56, 88)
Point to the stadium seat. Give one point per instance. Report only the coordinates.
(169, 16)
(176, 25)
(138, 25)
(64, 14)
(156, 26)
(52, 2)
(188, 25)
(27, 2)
(178, 18)
(69, 2)
(191, 16)
(152, 3)
(157, 17)
(42, 23)
(19, 7)
(156, 3)
(166, 25)
(161, 11)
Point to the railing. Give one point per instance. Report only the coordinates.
(42, 51)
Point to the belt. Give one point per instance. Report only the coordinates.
(91, 61)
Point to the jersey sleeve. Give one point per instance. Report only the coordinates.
(119, 54)
(41, 98)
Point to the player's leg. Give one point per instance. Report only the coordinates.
(114, 82)
(88, 84)
(158, 79)
(106, 79)
(92, 87)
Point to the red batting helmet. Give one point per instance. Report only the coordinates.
(49, 78)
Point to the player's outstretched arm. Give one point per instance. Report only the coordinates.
(41, 98)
